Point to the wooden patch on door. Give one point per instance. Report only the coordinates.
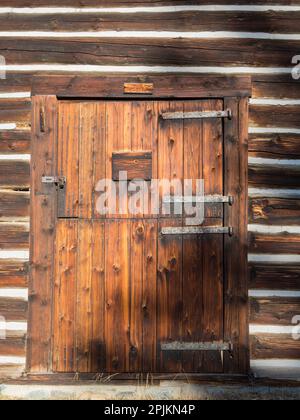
(137, 165)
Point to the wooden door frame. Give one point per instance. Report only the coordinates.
(46, 93)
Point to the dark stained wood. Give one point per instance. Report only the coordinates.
(274, 346)
(137, 165)
(43, 212)
(273, 311)
(274, 276)
(275, 146)
(275, 116)
(284, 243)
(15, 141)
(14, 204)
(14, 174)
(281, 22)
(13, 309)
(235, 261)
(15, 111)
(274, 211)
(14, 235)
(272, 177)
(13, 273)
(190, 86)
(281, 86)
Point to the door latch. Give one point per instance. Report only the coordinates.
(58, 181)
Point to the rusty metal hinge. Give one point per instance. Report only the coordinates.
(197, 346)
(196, 115)
(206, 199)
(197, 231)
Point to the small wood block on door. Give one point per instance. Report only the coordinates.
(139, 88)
(138, 165)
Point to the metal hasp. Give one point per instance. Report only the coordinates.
(213, 346)
(59, 181)
(209, 199)
(197, 231)
(196, 115)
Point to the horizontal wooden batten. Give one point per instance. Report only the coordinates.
(270, 346)
(277, 243)
(274, 211)
(189, 20)
(151, 52)
(275, 87)
(15, 141)
(13, 345)
(274, 310)
(14, 174)
(260, 176)
(274, 146)
(13, 309)
(275, 116)
(13, 273)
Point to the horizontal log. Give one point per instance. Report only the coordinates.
(135, 3)
(13, 273)
(275, 116)
(15, 141)
(281, 86)
(14, 174)
(274, 311)
(16, 111)
(275, 146)
(274, 346)
(276, 211)
(13, 309)
(11, 371)
(272, 177)
(14, 204)
(13, 346)
(274, 244)
(149, 51)
(14, 235)
(271, 22)
(274, 276)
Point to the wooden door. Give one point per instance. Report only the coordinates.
(134, 292)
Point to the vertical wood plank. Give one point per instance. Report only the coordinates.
(117, 295)
(65, 296)
(236, 290)
(68, 156)
(43, 217)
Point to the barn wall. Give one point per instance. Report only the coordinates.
(258, 38)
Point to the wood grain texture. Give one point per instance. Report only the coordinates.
(14, 174)
(43, 218)
(275, 116)
(152, 51)
(281, 22)
(274, 346)
(274, 276)
(284, 243)
(273, 311)
(15, 111)
(275, 146)
(13, 309)
(14, 235)
(13, 273)
(13, 346)
(273, 177)
(274, 211)
(14, 204)
(15, 141)
(137, 165)
(280, 86)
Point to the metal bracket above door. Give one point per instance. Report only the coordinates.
(197, 231)
(196, 115)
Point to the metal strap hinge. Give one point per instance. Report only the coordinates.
(199, 346)
(196, 115)
(208, 199)
(59, 181)
(197, 231)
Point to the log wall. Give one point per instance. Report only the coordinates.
(256, 37)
